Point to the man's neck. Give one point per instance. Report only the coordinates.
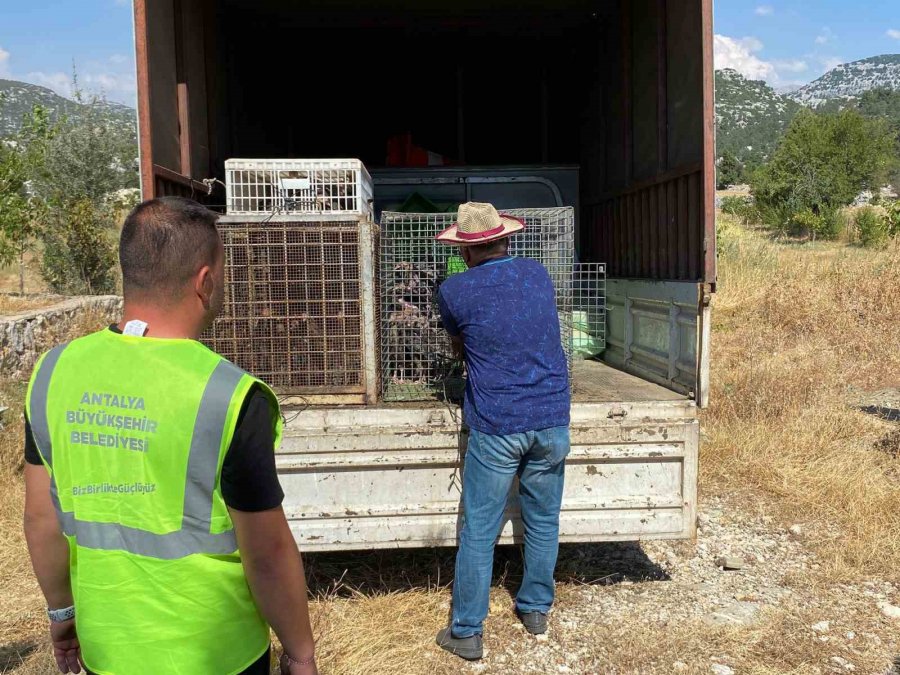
(172, 321)
(488, 258)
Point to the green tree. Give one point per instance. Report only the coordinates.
(885, 104)
(729, 171)
(87, 158)
(21, 159)
(881, 103)
(822, 164)
(79, 256)
(85, 163)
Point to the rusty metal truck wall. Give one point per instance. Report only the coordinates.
(647, 166)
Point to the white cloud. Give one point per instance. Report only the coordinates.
(739, 55)
(791, 66)
(743, 55)
(826, 36)
(118, 59)
(4, 63)
(59, 82)
(830, 62)
(765, 10)
(893, 33)
(115, 86)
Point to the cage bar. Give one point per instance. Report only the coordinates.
(416, 359)
(295, 311)
(298, 186)
(588, 309)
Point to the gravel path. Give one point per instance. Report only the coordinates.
(749, 596)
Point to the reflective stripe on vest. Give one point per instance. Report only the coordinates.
(203, 461)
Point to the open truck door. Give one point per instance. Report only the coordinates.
(173, 98)
(649, 201)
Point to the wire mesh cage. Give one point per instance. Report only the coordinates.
(294, 310)
(588, 309)
(416, 357)
(298, 186)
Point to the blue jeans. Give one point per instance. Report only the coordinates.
(491, 463)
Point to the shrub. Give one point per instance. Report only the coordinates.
(729, 171)
(871, 226)
(733, 205)
(79, 255)
(740, 207)
(892, 215)
(823, 163)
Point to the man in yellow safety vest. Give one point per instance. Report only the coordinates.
(153, 510)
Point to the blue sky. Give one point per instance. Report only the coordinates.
(787, 41)
(782, 41)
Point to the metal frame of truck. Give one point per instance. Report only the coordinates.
(381, 476)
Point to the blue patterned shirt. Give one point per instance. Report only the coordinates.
(505, 312)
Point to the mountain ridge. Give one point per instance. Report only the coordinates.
(850, 80)
(17, 99)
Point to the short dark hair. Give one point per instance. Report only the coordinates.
(164, 242)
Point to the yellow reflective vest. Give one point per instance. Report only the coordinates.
(133, 431)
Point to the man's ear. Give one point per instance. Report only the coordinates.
(204, 285)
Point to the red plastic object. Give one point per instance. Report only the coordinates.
(401, 151)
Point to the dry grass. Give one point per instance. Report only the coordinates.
(16, 304)
(801, 331)
(34, 283)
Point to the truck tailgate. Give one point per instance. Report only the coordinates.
(388, 477)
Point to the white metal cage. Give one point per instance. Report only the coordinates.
(299, 305)
(298, 186)
(416, 359)
(588, 310)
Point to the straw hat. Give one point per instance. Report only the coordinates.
(479, 223)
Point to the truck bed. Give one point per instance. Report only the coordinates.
(596, 382)
(388, 476)
(592, 382)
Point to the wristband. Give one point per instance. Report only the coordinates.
(61, 615)
(299, 662)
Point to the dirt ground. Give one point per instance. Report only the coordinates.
(800, 470)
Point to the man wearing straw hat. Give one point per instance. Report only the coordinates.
(501, 315)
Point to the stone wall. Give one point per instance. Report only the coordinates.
(26, 335)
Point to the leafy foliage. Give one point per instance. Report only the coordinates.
(884, 104)
(871, 226)
(881, 102)
(62, 181)
(79, 255)
(750, 117)
(20, 211)
(87, 157)
(823, 225)
(822, 164)
(729, 171)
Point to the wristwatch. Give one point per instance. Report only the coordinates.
(61, 615)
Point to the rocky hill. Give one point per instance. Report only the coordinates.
(750, 116)
(18, 98)
(850, 80)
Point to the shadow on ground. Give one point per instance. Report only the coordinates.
(884, 412)
(12, 655)
(375, 572)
